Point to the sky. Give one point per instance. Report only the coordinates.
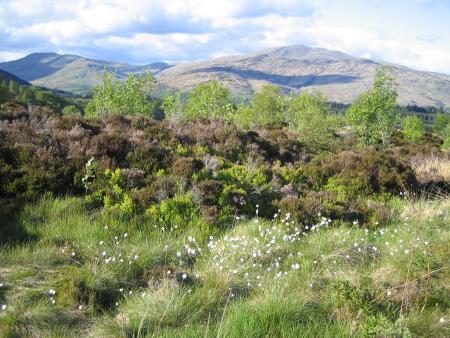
(414, 33)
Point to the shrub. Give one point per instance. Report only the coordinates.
(178, 212)
(440, 123)
(378, 172)
(413, 128)
(446, 144)
(112, 192)
(186, 166)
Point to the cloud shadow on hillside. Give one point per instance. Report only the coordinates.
(292, 81)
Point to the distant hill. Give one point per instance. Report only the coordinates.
(10, 77)
(70, 73)
(339, 76)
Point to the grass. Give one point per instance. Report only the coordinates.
(432, 167)
(126, 278)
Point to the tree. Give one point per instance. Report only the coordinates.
(210, 99)
(374, 115)
(173, 106)
(131, 97)
(71, 110)
(412, 128)
(4, 94)
(446, 136)
(13, 87)
(440, 123)
(309, 114)
(268, 105)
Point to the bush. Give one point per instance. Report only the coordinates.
(378, 172)
(413, 128)
(178, 212)
(112, 192)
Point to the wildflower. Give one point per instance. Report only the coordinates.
(441, 320)
(80, 307)
(73, 254)
(3, 307)
(101, 242)
(52, 291)
(184, 276)
(125, 235)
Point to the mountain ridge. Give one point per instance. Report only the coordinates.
(339, 76)
(68, 72)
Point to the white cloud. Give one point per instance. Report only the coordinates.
(141, 31)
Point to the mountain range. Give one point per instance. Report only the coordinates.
(339, 76)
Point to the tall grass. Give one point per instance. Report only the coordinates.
(118, 278)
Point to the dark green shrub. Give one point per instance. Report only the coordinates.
(378, 171)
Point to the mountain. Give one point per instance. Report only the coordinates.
(10, 77)
(70, 73)
(339, 76)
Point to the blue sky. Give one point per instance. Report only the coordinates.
(415, 33)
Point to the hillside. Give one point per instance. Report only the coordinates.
(70, 72)
(10, 77)
(339, 76)
(124, 226)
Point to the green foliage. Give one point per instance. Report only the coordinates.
(111, 191)
(309, 114)
(13, 87)
(91, 168)
(268, 105)
(71, 110)
(374, 115)
(178, 212)
(413, 128)
(4, 94)
(347, 188)
(446, 136)
(131, 97)
(440, 123)
(241, 175)
(173, 106)
(209, 100)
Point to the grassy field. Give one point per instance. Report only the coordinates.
(74, 272)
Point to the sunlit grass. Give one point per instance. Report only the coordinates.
(127, 278)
